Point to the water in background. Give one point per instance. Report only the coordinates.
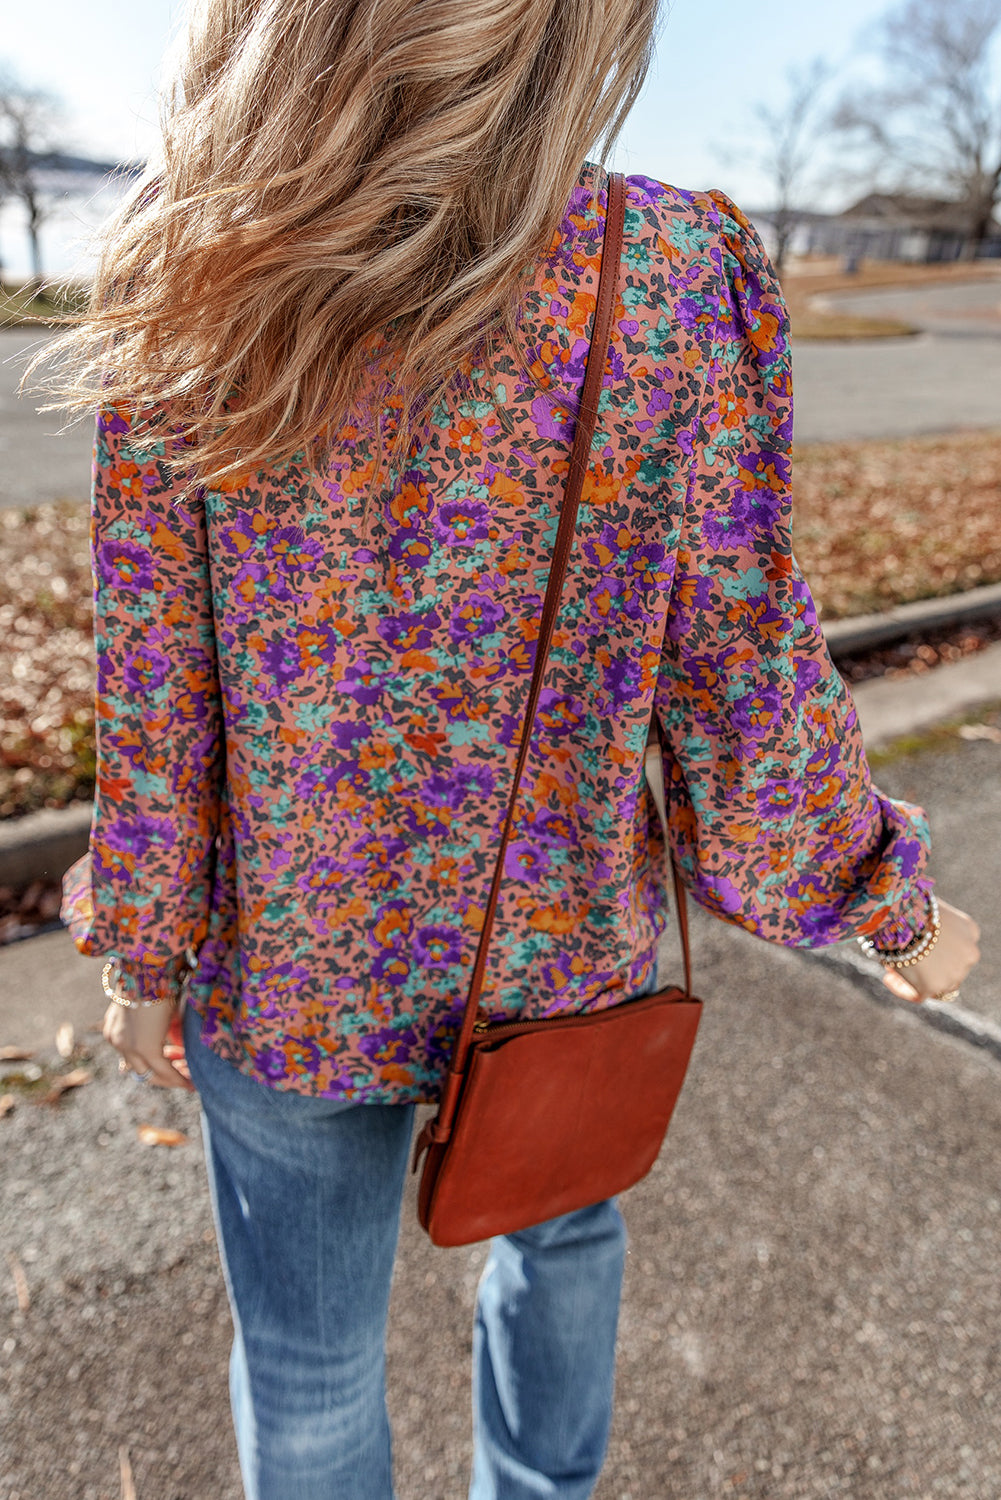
(65, 233)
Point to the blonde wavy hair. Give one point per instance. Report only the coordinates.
(346, 187)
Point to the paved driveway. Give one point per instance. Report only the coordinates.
(945, 378)
(37, 462)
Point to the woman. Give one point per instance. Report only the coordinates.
(337, 340)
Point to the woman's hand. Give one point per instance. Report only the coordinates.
(946, 966)
(141, 1035)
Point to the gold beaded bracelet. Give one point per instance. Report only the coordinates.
(903, 958)
(889, 962)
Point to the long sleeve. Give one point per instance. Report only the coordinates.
(774, 819)
(142, 893)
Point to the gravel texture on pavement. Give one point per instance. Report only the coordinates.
(811, 1306)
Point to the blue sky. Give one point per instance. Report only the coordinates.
(716, 59)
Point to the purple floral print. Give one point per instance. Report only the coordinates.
(311, 692)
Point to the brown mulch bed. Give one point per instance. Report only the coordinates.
(884, 523)
(877, 524)
(27, 912)
(47, 663)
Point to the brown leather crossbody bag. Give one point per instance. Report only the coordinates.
(539, 1118)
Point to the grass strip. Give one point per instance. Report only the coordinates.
(22, 307)
(806, 280)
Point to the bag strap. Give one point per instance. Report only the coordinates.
(580, 458)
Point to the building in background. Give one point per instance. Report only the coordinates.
(886, 226)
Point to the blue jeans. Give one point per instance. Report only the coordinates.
(306, 1194)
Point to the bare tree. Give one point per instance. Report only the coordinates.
(29, 118)
(935, 124)
(790, 133)
(4, 193)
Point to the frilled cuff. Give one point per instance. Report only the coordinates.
(77, 909)
(909, 920)
(133, 978)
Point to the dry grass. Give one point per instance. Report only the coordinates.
(806, 280)
(877, 524)
(19, 307)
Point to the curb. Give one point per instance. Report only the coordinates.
(892, 709)
(43, 845)
(863, 632)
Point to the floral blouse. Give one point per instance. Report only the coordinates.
(310, 688)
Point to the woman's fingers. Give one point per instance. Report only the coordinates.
(141, 1037)
(899, 986)
(178, 1063)
(157, 1071)
(166, 1076)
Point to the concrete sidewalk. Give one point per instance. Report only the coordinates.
(812, 1303)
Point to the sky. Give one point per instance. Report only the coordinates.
(716, 60)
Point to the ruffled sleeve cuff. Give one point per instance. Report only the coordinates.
(135, 979)
(159, 982)
(909, 919)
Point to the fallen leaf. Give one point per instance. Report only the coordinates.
(7, 1104)
(64, 1081)
(158, 1135)
(125, 1471)
(65, 1039)
(15, 1054)
(20, 1282)
(980, 732)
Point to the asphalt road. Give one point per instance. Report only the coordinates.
(37, 461)
(971, 309)
(896, 388)
(946, 378)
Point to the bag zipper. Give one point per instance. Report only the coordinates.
(503, 1028)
